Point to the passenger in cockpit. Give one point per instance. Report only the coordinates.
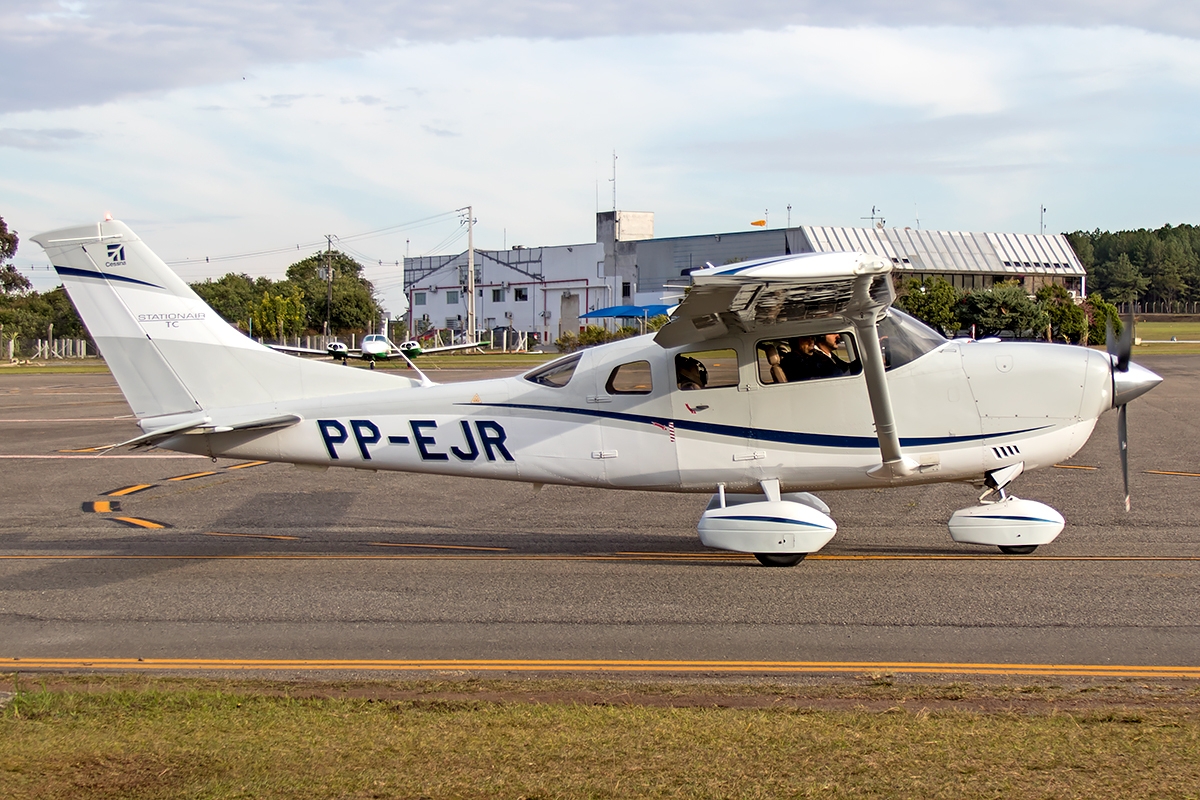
(690, 372)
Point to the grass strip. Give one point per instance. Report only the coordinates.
(138, 737)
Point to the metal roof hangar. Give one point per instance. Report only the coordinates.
(966, 260)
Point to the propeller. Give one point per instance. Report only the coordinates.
(1121, 350)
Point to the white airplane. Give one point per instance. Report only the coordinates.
(375, 347)
(720, 401)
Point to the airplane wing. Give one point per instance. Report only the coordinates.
(410, 348)
(304, 351)
(755, 295)
(853, 288)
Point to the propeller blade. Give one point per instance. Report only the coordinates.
(1123, 442)
(1110, 338)
(1125, 344)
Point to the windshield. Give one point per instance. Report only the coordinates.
(904, 338)
(556, 373)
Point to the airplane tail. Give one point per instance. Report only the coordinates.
(168, 350)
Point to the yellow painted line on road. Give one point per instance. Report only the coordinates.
(255, 536)
(603, 665)
(1163, 472)
(1073, 466)
(128, 490)
(440, 546)
(87, 449)
(192, 476)
(248, 464)
(740, 557)
(137, 522)
(101, 506)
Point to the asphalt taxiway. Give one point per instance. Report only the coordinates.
(193, 565)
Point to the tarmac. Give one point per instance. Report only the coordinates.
(158, 561)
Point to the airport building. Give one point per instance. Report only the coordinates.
(542, 291)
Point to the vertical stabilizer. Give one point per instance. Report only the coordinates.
(169, 351)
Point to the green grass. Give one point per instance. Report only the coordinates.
(141, 738)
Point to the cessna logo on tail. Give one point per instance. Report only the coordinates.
(116, 255)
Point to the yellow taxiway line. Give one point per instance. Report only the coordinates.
(192, 476)
(510, 556)
(604, 665)
(1163, 472)
(127, 490)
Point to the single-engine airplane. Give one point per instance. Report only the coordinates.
(375, 347)
(724, 400)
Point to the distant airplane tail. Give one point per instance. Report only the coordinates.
(169, 351)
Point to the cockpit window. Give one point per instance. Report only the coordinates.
(706, 369)
(631, 378)
(803, 358)
(557, 373)
(905, 339)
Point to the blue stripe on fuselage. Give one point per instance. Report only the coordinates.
(761, 434)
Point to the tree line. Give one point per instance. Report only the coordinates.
(1154, 266)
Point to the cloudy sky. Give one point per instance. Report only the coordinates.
(218, 130)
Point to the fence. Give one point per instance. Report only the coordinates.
(47, 349)
(1161, 308)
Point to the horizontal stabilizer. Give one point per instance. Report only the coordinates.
(205, 425)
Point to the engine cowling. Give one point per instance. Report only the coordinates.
(766, 526)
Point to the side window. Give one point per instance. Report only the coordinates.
(631, 378)
(803, 358)
(557, 373)
(706, 369)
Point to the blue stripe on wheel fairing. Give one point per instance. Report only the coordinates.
(752, 518)
(107, 276)
(761, 434)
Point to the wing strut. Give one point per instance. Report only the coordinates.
(895, 463)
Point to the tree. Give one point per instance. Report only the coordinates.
(11, 281)
(1121, 280)
(353, 304)
(1068, 321)
(280, 313)
(1099, 314)
(933, 301)
(235, 297)
(1004, 307)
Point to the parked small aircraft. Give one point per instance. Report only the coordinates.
(375, 347)
(773, 378)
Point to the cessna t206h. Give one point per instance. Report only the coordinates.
(772, 378)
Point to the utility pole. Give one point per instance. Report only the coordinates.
(789, 215)
(470, 273)
(328, 280)
(614, 180)
(1043, 220)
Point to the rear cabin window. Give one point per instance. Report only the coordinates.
(805, 358)
(557, 373)
(631, 378)
(706, 369)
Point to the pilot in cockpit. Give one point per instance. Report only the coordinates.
(690, 372)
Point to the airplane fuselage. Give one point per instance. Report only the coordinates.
(962, 409)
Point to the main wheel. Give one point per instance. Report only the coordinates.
(1017, 549)
(780, 559)
(372, 363)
